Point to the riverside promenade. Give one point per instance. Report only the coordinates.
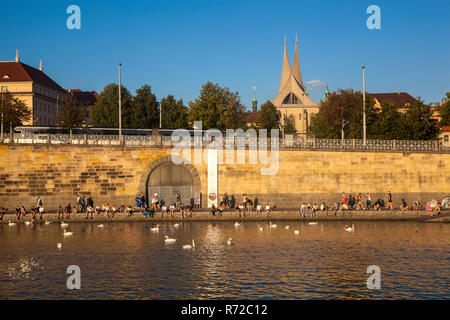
(277, 215)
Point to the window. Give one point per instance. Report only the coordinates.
(446, 138)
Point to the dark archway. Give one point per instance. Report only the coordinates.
(167, 179)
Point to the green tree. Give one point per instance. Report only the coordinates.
(390, 124)
(419, 124)
(344, 109)
(218, 108)
(268, 117)
(15, 111)
(444, 112)
(174, 113)
(145, 112)
(105, 112)
(71, 114)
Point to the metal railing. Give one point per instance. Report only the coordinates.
(288, 142)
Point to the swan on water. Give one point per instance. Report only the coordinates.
(47, 222)
(59, 245)
(176, 225)
(63, 224)
(350, 229)
(296, 232)
(261, 229)
(272, 225)
(237, 224)
(189, 246)
(312, 223)
(230, 241)
(11, 223)
(67, 234)
(27, 223)
(100, 226)
(156, 229)
(287, 227)
(169, 240)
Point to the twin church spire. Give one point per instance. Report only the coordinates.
(292, 90)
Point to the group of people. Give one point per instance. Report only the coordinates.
(35, 211)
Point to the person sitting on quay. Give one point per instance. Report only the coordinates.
(359, 202)
(41, 212)
(309, 210)
(303, 209)
(368, 201)
(172, 209)
(389, 200)
(68, 211)
(404, 206)
(220, 209)
(182, 210)
(33, 211)
(417, 205)
(190, 210)
(60, 213)
(437, 208)
(129, 211)
(89, 211)
(258, 209)
(239, 209)
(178, 202)
(97, 209)
(226, 201)
(3, 211)
(107, 209)
(377, 205)
(18, 212)
(113, 211)
(268, 210)
(335, 208)
(163, 210)
(213, 210)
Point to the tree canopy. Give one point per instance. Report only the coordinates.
(15, 111)
(268, 117)
(71, 114)
(218, 108)
(174, 113)
(444, 112)
(145, 111)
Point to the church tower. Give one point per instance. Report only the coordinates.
(293, 101)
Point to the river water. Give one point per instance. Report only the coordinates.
(129, 261)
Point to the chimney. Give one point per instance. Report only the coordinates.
(41, 68)
(17, 56)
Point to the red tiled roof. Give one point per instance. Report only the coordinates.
(399, 99)
(87, 98)
(445, 128)
(11, 71)
(252, 117)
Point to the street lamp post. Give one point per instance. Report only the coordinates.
(120, 109)
(1, 137)
(160, 115)
(364, 105)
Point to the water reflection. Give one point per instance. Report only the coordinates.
(128, 261)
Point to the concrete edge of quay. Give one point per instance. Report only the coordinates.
(284, 215)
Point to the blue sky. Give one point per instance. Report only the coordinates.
(176, 46)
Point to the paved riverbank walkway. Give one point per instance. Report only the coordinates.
(277, 215)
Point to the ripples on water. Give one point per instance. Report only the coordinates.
(128, 261)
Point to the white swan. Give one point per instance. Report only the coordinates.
(189, 246)
(296, 232)
(230, 241)
(63, 224)
(67, 234)
(350, 229)
(273, 225)
(27, 223)
(312, 223)
(176, 225)
(287, 227)
(11, 223)
(169, 240)
(156, 229)
(59, 245)
(47, 222)
(101, 226)
(261, 229)
(237, 224)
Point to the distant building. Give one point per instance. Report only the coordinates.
(41, 94)
(436, 107)
(86, 98)
(252, 117)
(401, 100)
(444, 136)
(292, 102)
